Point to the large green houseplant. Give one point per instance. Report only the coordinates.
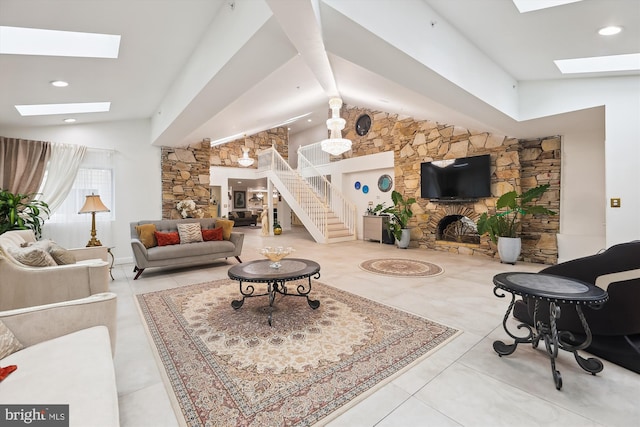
(21, 212)
(511, 207)
(400, 214)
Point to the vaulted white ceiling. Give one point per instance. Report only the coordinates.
(221, 68)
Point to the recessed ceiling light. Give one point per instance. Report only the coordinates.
(309, 120)
(599, 64)
(73, 108)
(69, 120)
(35, 41)
(59, 83)
(610, 30)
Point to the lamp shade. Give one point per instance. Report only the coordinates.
(93, 204)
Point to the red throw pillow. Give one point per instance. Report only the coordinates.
(209, 234)
(4, 372)
(164, 239)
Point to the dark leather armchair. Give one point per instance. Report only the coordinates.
(616, 326)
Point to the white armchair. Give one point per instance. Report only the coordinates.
(25, 286)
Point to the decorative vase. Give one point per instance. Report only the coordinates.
(276, 254)
(405, 238)
(277, 229)
(509, 249)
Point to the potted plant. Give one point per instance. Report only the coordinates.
(277, 229)
(21, 212)
(503, 226)
(400, 214)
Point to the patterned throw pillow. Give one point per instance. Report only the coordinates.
(227, 227)
(61, 255)
(190, 232)
(146, 235)
(165, 239)
(32, 256)
(8, 342)
(211, 234)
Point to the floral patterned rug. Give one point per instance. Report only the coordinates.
(228, 367)
(401, 267)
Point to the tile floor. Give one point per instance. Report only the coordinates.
(463, 384)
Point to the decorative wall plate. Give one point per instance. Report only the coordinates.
(357, 185)
(365, 189)
(385, 182)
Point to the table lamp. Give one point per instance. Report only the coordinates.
(92, 205)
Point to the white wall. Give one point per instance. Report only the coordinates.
(366, 170)
(138, 180)
(307, 137)
(582, 196)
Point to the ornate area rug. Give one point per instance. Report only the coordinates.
(228, 367)
(401, 267)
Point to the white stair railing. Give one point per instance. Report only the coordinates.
(327, 192)
(310, 191)
(302, 199)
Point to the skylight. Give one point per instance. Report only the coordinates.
(33, 41)
(599, 64)
(525, 6)
(73, 108)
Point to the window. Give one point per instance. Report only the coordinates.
(95, 176)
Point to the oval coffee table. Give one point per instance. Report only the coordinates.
(552, 290)
(276, 279)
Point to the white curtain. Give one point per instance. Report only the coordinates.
(61, 172)
(94, 176)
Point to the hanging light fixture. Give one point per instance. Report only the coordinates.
(245, 160)
(335, 144)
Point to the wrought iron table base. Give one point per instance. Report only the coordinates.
(276, 286)
(552, 338)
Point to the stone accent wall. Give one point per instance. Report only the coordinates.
(185, 175)
(540, 164)
(516, 165)
(228, 154)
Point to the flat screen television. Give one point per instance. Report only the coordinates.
(456, 179)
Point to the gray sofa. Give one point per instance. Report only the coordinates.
(182, 255)
(243, 218)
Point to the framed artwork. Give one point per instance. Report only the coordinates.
(239, 199)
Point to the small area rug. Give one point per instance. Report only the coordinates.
(401, 267)
(229, 368)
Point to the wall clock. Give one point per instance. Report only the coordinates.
(363, 124)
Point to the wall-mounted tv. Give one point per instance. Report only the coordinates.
(456, 179)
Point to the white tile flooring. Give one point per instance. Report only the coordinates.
(463, 384)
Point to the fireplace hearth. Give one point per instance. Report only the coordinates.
(457, 228)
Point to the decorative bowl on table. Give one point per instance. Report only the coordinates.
(276, 254)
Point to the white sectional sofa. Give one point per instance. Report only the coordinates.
(66, 359)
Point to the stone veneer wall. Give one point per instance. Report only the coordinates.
(185, 170)
(185, 175)
(228, 154)
(516, 165)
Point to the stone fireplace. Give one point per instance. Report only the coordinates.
(457, 228)
(455, 223)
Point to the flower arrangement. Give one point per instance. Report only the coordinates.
(188, 209)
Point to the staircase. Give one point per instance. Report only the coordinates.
(321, 207)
